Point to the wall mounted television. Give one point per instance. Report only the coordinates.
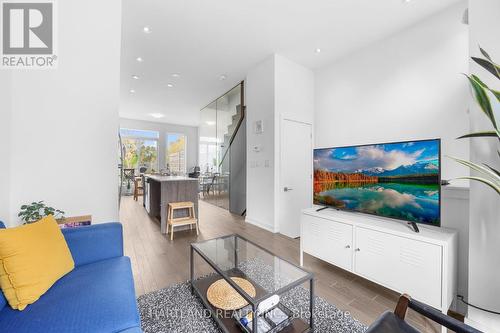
(400, 180)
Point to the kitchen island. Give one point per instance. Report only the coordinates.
(160, 190)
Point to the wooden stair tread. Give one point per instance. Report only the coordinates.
(181, 205)
(182, 220)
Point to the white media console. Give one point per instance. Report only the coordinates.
(387, 252)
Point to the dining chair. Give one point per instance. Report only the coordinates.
(138, 187)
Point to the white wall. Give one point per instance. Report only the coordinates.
(164, 128)
(260, 103)
(5, 118)
(484, 239)
(275, 89)
(64, 130)
(455, 215)
(405, 87)
(294, 90)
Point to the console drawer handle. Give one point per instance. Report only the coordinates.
(348, 246)
(357, 249)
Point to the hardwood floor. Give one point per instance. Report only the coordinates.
(158, 262)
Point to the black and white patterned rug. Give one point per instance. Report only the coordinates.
(175, 310)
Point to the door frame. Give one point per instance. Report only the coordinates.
(278, 185)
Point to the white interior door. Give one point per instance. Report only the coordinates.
(295, 176)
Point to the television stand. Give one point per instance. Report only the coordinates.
(385, 251)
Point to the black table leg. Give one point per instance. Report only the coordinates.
(254, 318)
(191, 268)
(236, 252)
(311, 303)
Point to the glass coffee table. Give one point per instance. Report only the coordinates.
(234, 256)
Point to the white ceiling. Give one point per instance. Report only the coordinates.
(203, 39)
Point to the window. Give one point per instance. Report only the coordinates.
(176, 153)
(208, 154)
(133, 133)
(141, 149)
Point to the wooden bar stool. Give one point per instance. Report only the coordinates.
(180, 221)
(138, 188)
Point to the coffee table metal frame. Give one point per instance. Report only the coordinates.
(254, 302)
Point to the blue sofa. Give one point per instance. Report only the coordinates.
(97, 296)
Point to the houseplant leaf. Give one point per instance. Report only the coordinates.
(485, 54)
(482, 99)
(484, 170)
(484, 181)
(36, 211)
(493, 169)
(479, 134)
(488, 65)
(496, 93)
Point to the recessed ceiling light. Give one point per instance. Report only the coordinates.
(406, 1)
(132, 91)
(175, 75)
(170, 85)
(157, 115)
(210, 123)
(147, 30)
(139, 59)
(317, 50)
(135, 77)
(223, 77)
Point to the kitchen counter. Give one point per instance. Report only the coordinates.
(160, 178)
(160, 190)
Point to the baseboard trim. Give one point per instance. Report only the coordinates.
(259, 224)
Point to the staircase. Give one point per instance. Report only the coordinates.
(231, 131)
(233, 161)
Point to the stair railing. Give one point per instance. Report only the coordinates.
(236, 129)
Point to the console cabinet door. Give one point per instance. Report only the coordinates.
(402, 264)
(328, 240)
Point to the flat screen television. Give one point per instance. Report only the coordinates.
(400, 180)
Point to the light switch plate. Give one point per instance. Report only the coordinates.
(258, 127)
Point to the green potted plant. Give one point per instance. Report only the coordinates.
(487, 174)
(38, 210)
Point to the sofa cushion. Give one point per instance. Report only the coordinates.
(3, 300)
(89, 244)
(32, 258)
(97, 297)
(132, 330)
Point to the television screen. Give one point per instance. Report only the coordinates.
(397, 180)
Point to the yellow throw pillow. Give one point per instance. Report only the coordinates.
(32, 258)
